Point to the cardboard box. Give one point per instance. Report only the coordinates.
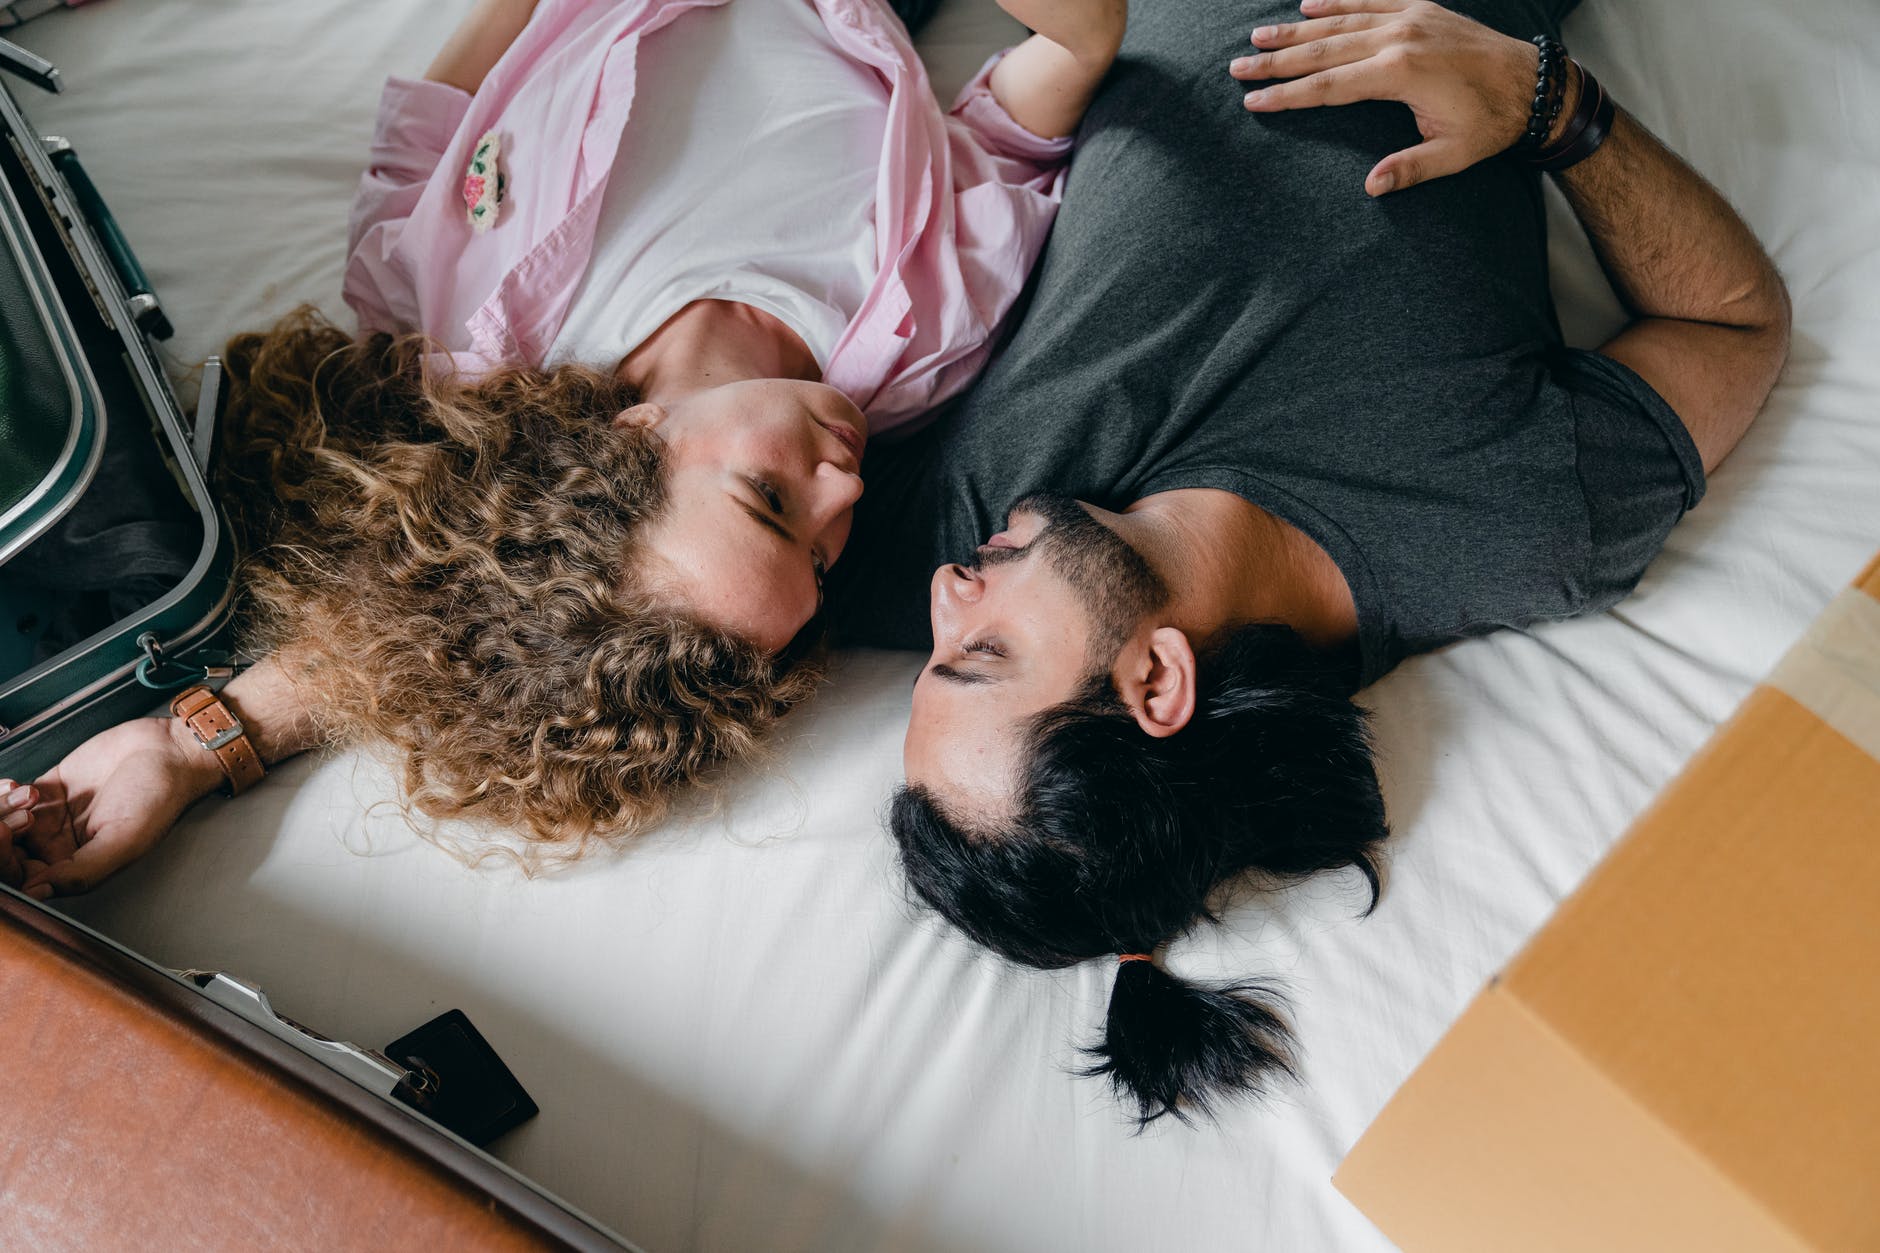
(1687, 1056)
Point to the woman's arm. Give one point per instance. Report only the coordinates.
(416, 125)
(1048, 81)
(480, 42)
(118, 793)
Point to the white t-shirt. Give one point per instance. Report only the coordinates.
(746, 172)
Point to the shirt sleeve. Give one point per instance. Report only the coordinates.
(1005, 185)
(997, 132)
(416, 122)
(1639, 469)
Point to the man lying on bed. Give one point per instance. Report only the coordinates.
(1294, 384)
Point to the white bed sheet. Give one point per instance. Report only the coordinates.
(740, 1035)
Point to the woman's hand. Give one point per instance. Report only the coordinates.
(104, 806)
(1469, 87)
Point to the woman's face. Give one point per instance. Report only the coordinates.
(762, 480)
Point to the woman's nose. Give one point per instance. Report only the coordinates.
(837, 489)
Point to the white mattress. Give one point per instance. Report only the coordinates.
(740, 1035)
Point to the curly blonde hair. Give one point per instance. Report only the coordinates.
(450, 561)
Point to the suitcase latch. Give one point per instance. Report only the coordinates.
(160, 674)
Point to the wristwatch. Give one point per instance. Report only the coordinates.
(217, 729)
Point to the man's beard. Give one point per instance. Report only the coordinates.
(1115, 585)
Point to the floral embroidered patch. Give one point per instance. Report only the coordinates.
(484, 185)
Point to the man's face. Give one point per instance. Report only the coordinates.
(1044, 606)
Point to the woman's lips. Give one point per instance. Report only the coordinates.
(853, 438)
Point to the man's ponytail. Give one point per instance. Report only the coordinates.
(1174, 1047)
(1115, 839)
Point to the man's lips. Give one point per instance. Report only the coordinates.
(1001, 540)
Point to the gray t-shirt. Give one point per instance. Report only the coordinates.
(1222, 306)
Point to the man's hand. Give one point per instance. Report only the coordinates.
(104, 806)
(1469, 87)
(1710, 315)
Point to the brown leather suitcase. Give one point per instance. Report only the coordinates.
(142, 1114)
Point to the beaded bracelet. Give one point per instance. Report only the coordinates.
(1586, 130)
(1550, 92)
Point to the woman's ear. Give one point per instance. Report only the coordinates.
(1156, 679)
(645, 414)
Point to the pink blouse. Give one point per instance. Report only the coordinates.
(964, 201)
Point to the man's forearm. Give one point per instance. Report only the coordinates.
(1710, 312)
(1710, 315)
(1671, 246)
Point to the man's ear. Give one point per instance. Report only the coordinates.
(646, 414)
(1156, 679)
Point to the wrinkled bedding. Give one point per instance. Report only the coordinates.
(740, 1034)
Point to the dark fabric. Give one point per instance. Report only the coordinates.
(914, 13)
(1221, 305)
(129, 540)
(35, 400)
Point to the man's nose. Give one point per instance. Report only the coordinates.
(959, 585)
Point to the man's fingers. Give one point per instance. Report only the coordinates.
(1292, 34)
(1308, 58)
(1324, 8)
(1344, 84)
(1418, 164)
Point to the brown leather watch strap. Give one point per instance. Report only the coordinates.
(217, 729)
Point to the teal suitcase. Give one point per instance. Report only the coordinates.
(115, 565)
(94, 445)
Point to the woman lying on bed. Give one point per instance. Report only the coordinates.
(634, 281)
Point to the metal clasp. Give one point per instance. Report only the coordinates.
(155, 663)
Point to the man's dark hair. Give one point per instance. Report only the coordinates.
(1118, 839)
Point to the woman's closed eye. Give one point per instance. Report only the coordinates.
(773, 501)
(985, 648)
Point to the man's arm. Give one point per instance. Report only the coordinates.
(1048, 81)
(1710, 314)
